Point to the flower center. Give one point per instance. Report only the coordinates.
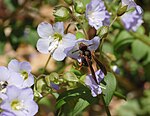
(53, 45)
(57, 36)
(17, 105)
(24, 74)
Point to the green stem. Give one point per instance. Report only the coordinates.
(106, 107)
(47, 62)
(80, 23)
(113, 21)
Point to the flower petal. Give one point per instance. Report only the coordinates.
(43, 45)
(32, 107)
(59, 27)
(45, 30)
(14, 65)
(25, 66)
(4, 75)
(26, 94)
(12, 92)
(59, 54)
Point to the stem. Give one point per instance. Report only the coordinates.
(113, 21)
(47, 62)
(106, 107)
(80, 23)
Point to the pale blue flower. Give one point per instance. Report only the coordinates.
(132, 19)
(96, 14)
(19, 102)
(74, 52)
(94, 87)
(53, 40)
(6, 79)
(22, 72)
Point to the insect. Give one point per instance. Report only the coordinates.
(86, 59)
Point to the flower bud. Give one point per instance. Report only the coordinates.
(79, 6)
(103, 31)
(61, 14)
(121, 10)
(69, 2)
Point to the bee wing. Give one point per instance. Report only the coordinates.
(102, 67)
(91, 69)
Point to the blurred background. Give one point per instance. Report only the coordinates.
(18, 36)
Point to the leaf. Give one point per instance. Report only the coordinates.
(110, 81)
(139, 49)
(74, 101)
(123, 39)
(80, 105)
(120, 95)
(45, 101)
(70, 76)
(80, 35)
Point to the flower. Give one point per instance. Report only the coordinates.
(5, 79)
(22, 72)
(96, 14)
(19, 102)
(74, 51)
(133, 18)
(53, 40)
(90, 82)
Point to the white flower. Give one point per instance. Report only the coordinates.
(21, 71)
(53, 40)
(19, 102)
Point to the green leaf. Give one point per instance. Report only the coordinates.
(45, 101)
(120, 95)
(124, 39)
(79, 35)
(139, 49)
(74, 101)
(80, 105)
(70, 76)
(110, 87)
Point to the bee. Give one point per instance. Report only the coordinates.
(85, 59)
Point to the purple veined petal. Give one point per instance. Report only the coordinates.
(90, 82)
(26, 94)
(59, 27)
(99, 75)
(32, 107)
(45, 29)
(72, 52)
(25, 66)
(4, 75)
(12, 92)
(96, 14)
(29, 81)
(14, 65)
(43, 45)
(95, 41)
(59, 54)
(132, 20)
